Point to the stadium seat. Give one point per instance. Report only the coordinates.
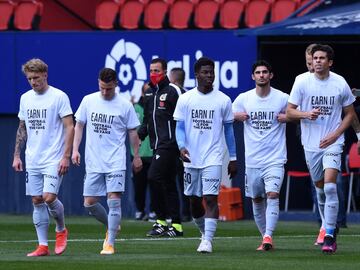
(106, 13)
(310, 4)
(27, 15)
(354, 166)
(155, 13)
(205, 14)
(257, 12)
(7, 9)
(180, 14)
(130, 14)
(231, 12)
(281, 9)
(297, 175)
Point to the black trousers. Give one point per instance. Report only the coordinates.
(141, 184)
(162, 177)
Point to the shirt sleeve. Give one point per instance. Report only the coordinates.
(228, 113)
(132, 118)
(22, 113)
(348, 97)
(295, 95)
(179, 110)
(64, 108)
(237, 105)
(80, 114)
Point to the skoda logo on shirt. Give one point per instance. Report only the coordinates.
(126, 60)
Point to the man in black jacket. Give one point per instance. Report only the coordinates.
(159, 105)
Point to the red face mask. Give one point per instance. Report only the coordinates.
(155, 78)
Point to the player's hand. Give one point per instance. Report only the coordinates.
(184, 155)
(137, 164)
(64, 166)
(241, 116)
(281, 117)
(232, 169)
(17, 164)
(75, 158)
(314, 114)
(328, 140)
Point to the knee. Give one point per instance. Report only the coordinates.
(88, 201)
(272, 195)
(257, 200)
(330, 189)
(211, 202)
(37, 200)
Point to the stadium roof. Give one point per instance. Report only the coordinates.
(332, 20)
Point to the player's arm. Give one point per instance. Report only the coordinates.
(21, 137)
(293, 114)
(143, 129)
(230, 142)
(180, 139)
(135, 143)
(356, 126)
(79, 129)
(349, 115)
(69, 136)
(241, 116)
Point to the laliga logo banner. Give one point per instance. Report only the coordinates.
(125, 58)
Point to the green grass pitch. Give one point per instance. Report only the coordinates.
(234, 247)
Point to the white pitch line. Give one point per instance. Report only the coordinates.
(173, 239)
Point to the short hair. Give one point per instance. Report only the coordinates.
(203, 61)
(309, 48)
(179, 75)
(161, 61)
(107, 75)
(260, 63)
(35, 65)
(324, 48)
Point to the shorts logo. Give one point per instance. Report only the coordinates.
(126, 60)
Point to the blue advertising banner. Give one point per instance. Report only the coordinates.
(75, 58)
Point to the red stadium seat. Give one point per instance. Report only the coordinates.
(105, 14)
(205, 14)
(130, 14)
(155, 13)
(256, 12)
(231, 12)
(354, 164)
(180, 14)
(28, 15)
(281, 9)
(314, 4)
(7, 9)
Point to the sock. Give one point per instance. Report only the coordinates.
(56, 210)
(99, 212)
(272, 215)
(320, 195)
(331, 207)
(259, 216)
(200, 223)
(114, 219)
(210, 228)
(41, 222)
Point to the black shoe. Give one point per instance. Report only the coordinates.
(157, 230)
(172, 232)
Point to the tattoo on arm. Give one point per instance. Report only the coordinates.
(21, 137)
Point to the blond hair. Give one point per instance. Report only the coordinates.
(309, 48)
(35, 65)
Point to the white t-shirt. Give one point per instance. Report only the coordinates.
(330, 95)
(204, 116)
(42, 114)
(264, 135)
(107, 123)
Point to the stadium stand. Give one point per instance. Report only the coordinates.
(7, 9)
(206, 14)
(180, 16)
(231, 13)
(281, 9)
(131, 14)
(155, 14)
(27, 15)
(106, 14)
(257, 12)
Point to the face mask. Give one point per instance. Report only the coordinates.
(155, 78)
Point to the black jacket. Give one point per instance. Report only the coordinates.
(158, 120)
